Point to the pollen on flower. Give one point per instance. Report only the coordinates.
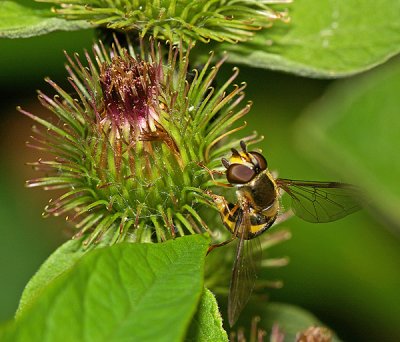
(127, 146)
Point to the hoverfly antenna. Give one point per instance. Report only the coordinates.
(225, 162)
(243, 146)
(235, 152)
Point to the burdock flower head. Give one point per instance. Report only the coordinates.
(131, 91)
(130, 150)
(190, 20)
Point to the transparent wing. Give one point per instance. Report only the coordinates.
(321, 201)
(244, 273)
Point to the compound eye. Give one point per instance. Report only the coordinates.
(239, 174)
(262, 163)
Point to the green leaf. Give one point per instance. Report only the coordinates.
(355, 130)
(132, 292)
(60, 261)
(57, 263)
(290, 319)
(326, 38)
(17, 21)
(207, 322)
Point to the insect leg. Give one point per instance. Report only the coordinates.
(223, 207)
(212, 173)
(212, 247)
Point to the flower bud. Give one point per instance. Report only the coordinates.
(131, 148)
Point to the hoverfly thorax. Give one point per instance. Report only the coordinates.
(248, 171)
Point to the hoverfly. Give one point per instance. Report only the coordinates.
(258, 207)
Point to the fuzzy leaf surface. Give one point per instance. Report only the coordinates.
(127, 292)
(354, 130)
(325, 39)
(17, 21)
(207, 322)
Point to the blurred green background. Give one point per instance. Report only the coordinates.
(346, 272)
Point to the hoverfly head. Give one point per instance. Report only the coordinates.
(258, 160)
(239, 174)
(243, 166)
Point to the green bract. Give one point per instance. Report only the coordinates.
(130, 152)
(190, 20)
